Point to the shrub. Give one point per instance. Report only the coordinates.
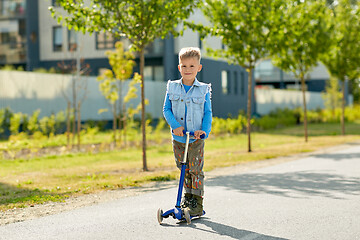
(15, 122)
(33, 125)
(277, 118)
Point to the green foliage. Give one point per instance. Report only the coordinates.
(2, 120)
(44, 70)
(140, 21)
(355, 86)
(12, 68)
(332, 95)
(276, 119)
(247, 28)
(228, 125)
(33, 125)
(60, 119)
(159, 129)
(122, 64)
(305, 34)
(281, 118)
(43, 125)
(5, 115)
(47, 125)
(15, 122)
(342, 59)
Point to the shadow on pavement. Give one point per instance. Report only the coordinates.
(223, 230)
(338, 156)
(295, 184)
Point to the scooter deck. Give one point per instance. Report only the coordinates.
(183, 220)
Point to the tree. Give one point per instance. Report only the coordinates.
(343, 58)
(111, 85)
(305, 37)
(247, 30)
(332, 95)
(76, 68)
(140, 21)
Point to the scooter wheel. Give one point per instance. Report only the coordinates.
(187, 216)
(159, 215)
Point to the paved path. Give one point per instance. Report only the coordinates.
(315, 197)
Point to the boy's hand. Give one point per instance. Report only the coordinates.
(179, 131)
(198, 133)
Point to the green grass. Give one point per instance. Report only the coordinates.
(25, 182)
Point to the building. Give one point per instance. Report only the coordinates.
(31, 38)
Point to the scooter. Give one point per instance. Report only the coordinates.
(177, 212)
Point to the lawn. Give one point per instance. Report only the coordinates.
(25, 182)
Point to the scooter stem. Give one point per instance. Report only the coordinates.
(182, 174)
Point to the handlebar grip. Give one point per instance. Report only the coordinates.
(192, 134)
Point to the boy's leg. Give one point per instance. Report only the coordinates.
(196, 163)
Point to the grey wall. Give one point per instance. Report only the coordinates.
(26, 92)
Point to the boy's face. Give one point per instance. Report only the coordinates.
(189, 67)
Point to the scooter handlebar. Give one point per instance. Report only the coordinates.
(202, 136)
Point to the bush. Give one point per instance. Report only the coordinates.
(33, 125)
(277, 118)
(15, 122)
(228, 125)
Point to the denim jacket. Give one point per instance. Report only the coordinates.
(194, 101)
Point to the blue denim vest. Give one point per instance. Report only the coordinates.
(194, 101)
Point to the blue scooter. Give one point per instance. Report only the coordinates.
(177, 212)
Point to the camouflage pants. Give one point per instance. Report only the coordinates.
(194, 175)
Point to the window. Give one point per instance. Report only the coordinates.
(72, 40)
(154, 73)
(55, 3)
(57, 39)
(148, 73)
(224, 82)
(242, 83)
(235, 83)
(228, 82)
(105, 40)
(12, 41)
(159, 73)
(12, 8)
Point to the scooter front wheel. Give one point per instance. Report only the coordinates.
(159, 215)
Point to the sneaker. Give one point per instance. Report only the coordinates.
(196, 206)
(186, 200)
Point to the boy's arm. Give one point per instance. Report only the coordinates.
(207, 119)
(168, 114)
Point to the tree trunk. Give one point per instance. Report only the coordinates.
(305, 110)
(248, 126)
(342, 120)
(75, 110)
(78, 125)
(114, 123)
(124, 123)
(120, 111)
(143, 120)
(68, 124)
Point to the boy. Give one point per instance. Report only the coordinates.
(187, 106)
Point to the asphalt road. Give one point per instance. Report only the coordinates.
(315, 197)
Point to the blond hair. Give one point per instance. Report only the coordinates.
(190, 52)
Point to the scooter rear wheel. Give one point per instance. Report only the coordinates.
(159, 215)
(187, 216)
